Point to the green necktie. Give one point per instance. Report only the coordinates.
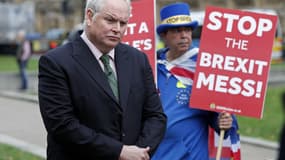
(110, 74)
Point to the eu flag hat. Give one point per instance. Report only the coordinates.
(175, 15)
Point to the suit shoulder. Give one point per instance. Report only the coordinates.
(60, 55)
(60, 51)
(128, 47)
(131, 50)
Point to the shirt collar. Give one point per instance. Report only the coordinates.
(95, 51)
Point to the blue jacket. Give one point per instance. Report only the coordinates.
(186, 137)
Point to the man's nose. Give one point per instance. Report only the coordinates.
(184, 33)
(117, 26)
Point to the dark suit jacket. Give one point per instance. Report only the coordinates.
(81, 115)
(281, 152)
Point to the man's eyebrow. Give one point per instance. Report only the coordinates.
(109, 14)
(115, 17)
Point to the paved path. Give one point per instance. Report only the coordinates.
(22, 125)
(256, 152)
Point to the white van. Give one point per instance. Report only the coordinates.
(277, 56)
(196, 34)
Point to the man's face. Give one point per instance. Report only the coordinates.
(109, 26)
(178, 39)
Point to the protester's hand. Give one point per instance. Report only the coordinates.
(225, 120)
(134, 153)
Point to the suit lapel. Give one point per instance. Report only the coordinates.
(123, 69)
(86, 59)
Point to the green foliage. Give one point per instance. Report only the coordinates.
(269, 127)
(8, 63)
(10, 153)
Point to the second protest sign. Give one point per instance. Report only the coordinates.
(233, 62)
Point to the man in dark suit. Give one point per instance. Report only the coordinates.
(93, 115)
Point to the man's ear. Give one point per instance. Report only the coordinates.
(89, 16)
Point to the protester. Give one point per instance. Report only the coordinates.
(186, 137)
(23, 54)
(95, 110)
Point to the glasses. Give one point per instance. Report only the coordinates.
(180, 30)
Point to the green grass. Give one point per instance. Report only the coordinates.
(8, 63)
(10, 153)
(278, 66)
(270, 125)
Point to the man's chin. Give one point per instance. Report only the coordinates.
(113, 44)
(184, 48)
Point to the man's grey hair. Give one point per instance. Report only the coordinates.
(97, 5)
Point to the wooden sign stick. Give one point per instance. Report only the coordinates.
(220, 145)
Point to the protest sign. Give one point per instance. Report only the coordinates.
(140, 32)
(233, 62)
